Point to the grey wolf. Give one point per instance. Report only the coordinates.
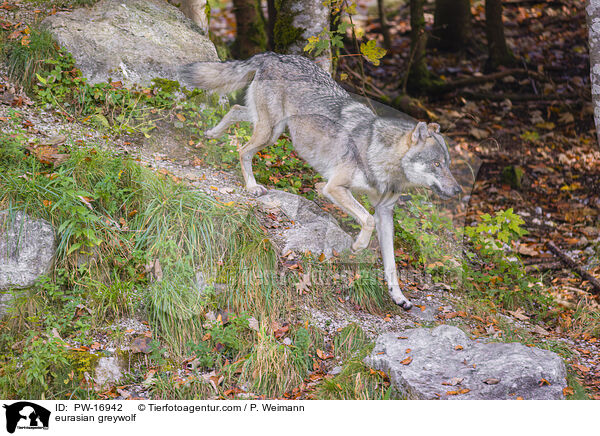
(354, 149)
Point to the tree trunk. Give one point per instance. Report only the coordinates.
(295, 22)
(498, 51)
(272, 15)
(250, 36)
(452, 25)
(418, 74)
(195, 10)
(385, 30)
(593, 22)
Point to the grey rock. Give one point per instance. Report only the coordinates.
(336, 370)
(315, 230)
(5, 303)
(108, 370)
(133, 41)
(427, 315)
(435, 360)
(27, 249)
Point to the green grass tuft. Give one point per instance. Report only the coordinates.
(24, 62)
(356, 381)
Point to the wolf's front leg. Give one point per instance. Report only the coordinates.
(384, 222)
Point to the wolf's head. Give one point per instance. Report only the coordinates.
(427, 161)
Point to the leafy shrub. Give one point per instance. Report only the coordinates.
(494, 269)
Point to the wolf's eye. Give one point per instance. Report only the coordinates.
(436, 163)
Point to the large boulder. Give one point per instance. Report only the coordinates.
(27, 249)
(313, 229)
(443, 363)
(133, 41)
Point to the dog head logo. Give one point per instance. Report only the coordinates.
(26, 415)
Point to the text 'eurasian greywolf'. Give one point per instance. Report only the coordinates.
(343, 139)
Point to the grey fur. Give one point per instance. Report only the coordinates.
(343, 139)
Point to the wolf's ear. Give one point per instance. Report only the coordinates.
(420, 132)
(434, 127)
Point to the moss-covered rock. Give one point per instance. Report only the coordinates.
(132, 41)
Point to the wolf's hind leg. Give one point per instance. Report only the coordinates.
(342, 197)
(236, 114)
(261, 138)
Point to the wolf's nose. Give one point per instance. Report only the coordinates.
(457, 190)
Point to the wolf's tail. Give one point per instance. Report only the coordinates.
(220, 77)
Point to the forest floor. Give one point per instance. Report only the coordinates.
(537, 119)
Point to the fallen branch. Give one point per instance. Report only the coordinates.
(476, 80)
(533, 2)
(568, 260)
(538, 260)
(518, 97)
(539, 267)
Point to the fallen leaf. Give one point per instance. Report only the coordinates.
(581, 367)
(303, 285)
(568, 391)
(460, 392)
(454, 315)
(87, 201)
(491, 381)
(566, 118)
(519, 314)
(406, 361)
(549, 125)
(540, 331)
(280, 332)
(454, 381)
(125, 394)
(527, 250)
(478, 133)
(141, 345)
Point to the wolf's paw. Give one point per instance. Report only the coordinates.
(319, 187)
(359, 245)
(405, 304)
(211, 134)
(257, 190)
(401, 300)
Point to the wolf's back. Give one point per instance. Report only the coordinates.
(221, 77)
